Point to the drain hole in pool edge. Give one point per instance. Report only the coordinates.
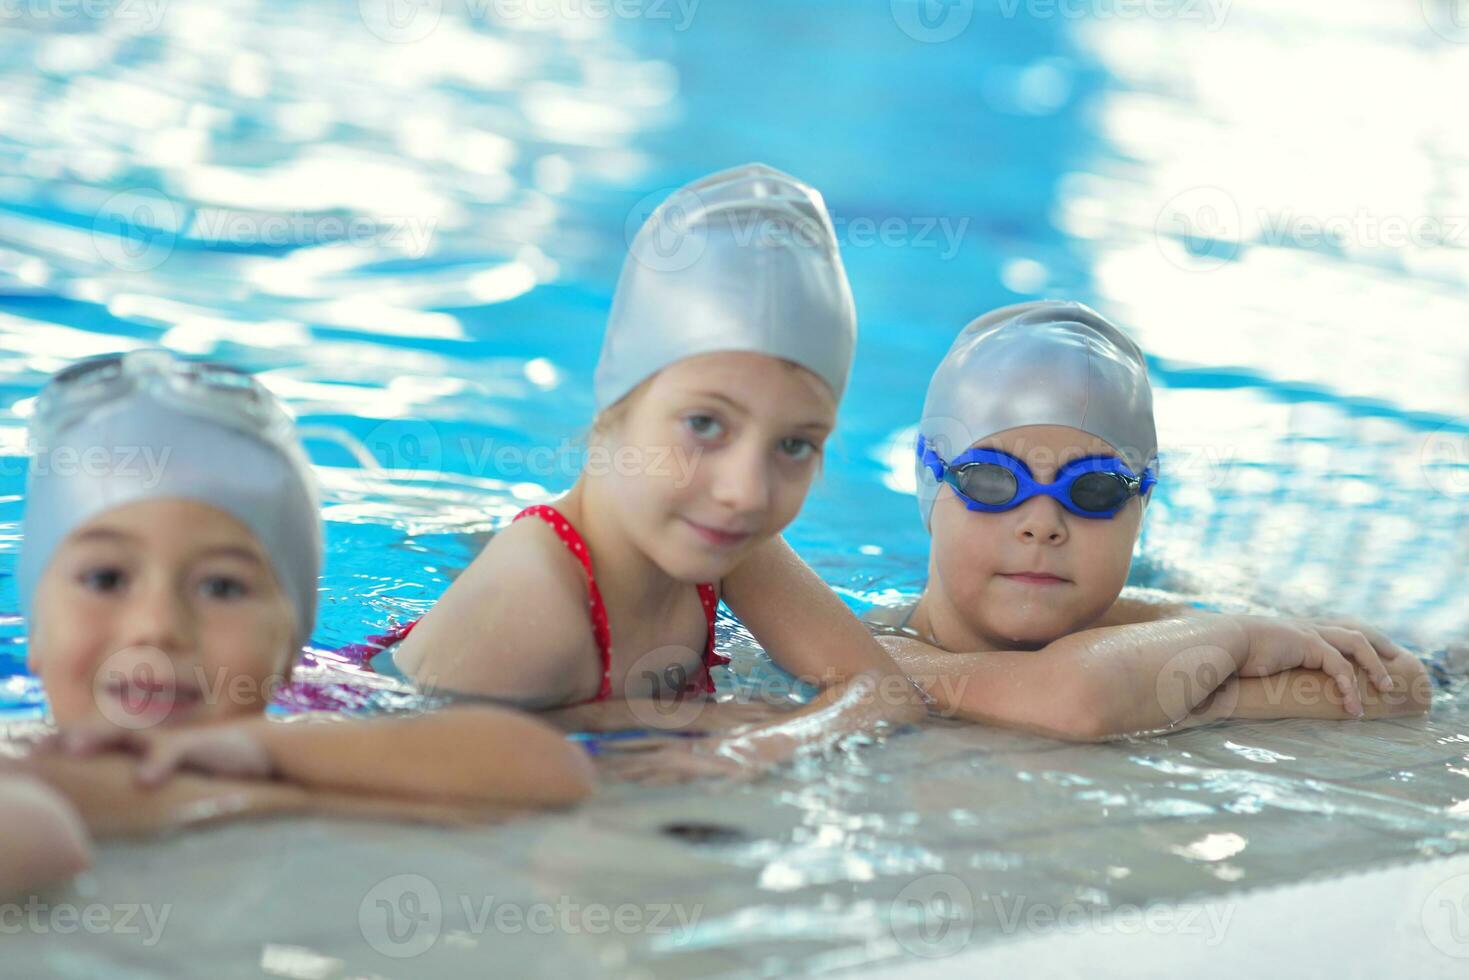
(704, 833)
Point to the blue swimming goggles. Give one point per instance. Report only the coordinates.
(994, 481)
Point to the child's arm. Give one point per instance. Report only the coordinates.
(1121, 679)
(105, 793)
(812, 634)
(469, 755)
(1303, 694)
(43, 839)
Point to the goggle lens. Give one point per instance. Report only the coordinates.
(988, 483)
(1098, 492)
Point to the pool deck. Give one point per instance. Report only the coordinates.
(1410, 920)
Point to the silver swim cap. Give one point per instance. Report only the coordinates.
(146, 425)
(742, 260)
(1049, 362)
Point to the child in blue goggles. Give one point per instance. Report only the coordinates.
(1022, 621)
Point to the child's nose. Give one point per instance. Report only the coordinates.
(158, 617)
(1041, 520)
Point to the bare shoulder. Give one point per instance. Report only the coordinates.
(515, 624)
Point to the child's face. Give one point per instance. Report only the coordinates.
(975, 555)
(162, 610)
(721, 450)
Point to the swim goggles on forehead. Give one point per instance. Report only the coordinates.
(219, 392)
(993, 481)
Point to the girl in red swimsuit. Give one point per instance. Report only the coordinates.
(727, 351)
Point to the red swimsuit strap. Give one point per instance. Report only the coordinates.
(578, 548)
(600, 630)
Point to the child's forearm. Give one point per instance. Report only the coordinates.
(1303, 693)
(463, 754)
(1089, 685)
(105, 792)
(1151, 675)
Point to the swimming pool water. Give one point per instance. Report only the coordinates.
(415, 241)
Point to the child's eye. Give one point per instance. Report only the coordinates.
(704, 426)
(224, 587)
(797, 448)
(102, 579)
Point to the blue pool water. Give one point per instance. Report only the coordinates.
(493, 170)
(414, 241)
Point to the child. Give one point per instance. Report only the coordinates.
(1035, 459)
(727, 350)
(172, 542)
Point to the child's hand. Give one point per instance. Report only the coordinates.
(220, 749)
(1283, 644)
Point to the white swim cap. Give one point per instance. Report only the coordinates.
(147, 425)
(742, 260)
(1048, 362)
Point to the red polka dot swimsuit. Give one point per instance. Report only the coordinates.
(702, 681)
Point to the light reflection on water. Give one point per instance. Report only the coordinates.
(415, 242)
